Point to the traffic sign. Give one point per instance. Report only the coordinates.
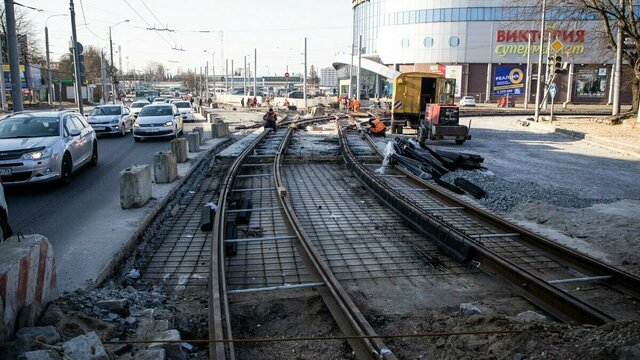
(286, 74)
(552, 90)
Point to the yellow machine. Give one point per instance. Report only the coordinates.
(412, 91)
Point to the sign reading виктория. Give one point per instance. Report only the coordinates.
(509, 80)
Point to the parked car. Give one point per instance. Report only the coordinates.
(296, 95)
(136, 106)
(158, 120)
(506, 101)
(467, 101)
(5, 229)
(111, 119)
(237, 92)
(158, 100)
(185, 110)
(45, 146)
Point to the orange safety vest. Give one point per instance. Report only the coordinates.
(377, 127)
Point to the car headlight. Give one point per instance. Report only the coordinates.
(168, 123)
(191, 111)
(115, 120)
(39, 154)
(136, 125)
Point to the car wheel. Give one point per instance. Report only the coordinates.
(123, 130)
(94, 155)
(65, 170)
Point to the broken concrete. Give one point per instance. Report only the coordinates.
(85, 347)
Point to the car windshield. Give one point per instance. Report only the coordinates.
(138, 105)
(106, 110)
(182, 104)
(28, 127)
(468, 98)
(156, 111)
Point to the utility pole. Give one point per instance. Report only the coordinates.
(119, 62)
(226, 75)
(113, 85)
(305, 73)
(616, 85)
(527, 89)
(3, 96)
(537, 109)
(244, 78)
(359, 68)
(206, 80)
(103, 75)
(233, 87)
(255, 73)
(76, 56)
(14, 62)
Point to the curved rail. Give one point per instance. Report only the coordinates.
(362, 338)
(455, 242)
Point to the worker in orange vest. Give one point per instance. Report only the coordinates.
(376, 127)
(356, 105)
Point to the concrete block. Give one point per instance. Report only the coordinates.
(174, 349)
(165, 167)
(135, 186)
(85, 347)
(200, 130)
(151, 354)
(193, 141)
(219, 130)
(27, 277)
(212, 118)
(179, 149)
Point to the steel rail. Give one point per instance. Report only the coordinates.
(218, 301)
(619, 279)
(463, 248)
(365, 343)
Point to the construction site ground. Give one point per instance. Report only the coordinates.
(569, 187)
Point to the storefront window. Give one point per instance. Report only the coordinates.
(454, 41)
(428, 42)
(591, 82)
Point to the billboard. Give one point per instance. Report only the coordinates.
(509, 80)
(7, 76)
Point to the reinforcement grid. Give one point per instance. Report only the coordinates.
(505, 246)
(358, 237)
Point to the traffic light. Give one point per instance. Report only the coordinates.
(81, 66)
(558, 66)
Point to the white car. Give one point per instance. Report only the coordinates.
(467, 101)
(136, 106)
(158, 121)
(185, 110)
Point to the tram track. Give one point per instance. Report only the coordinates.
(539, 269)
(255, 182)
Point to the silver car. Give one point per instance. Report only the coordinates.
(157, 120)
(110, 119)
(45, 146)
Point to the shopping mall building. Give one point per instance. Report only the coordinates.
(484, 46)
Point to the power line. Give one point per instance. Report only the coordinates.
(155, 17)
(86, 25)
(28, 7)
(145, 21)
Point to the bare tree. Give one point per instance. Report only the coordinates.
(613, 15)
(28, 40)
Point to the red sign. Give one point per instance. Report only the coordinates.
(286, 74)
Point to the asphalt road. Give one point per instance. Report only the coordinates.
(61, 212)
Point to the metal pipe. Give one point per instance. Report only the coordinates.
(537, 109)
(580, 279)
(616, 85)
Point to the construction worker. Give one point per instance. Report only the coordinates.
(356, 105)
(270, 119)
(376, 127)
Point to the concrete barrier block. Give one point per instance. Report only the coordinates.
(219, 130)
(179, 149)
(135, 186)
(165, 167)
(87, 346)
(193, 141)
(200, 130)
(27, 277)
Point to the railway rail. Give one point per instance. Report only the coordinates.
(539, 269)
(253, 186)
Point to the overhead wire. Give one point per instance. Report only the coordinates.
(87, 25)
(155, 17)
(146, 22)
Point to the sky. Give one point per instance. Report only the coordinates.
(230, 29)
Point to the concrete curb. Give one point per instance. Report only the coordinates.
(602, 142)
(133, 239)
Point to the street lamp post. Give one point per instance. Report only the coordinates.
(538, 83)
(213, 69)
(46, 42)
(113, 84)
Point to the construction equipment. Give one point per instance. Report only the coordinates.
(442, 121)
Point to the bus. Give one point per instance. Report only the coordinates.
(146, 94)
